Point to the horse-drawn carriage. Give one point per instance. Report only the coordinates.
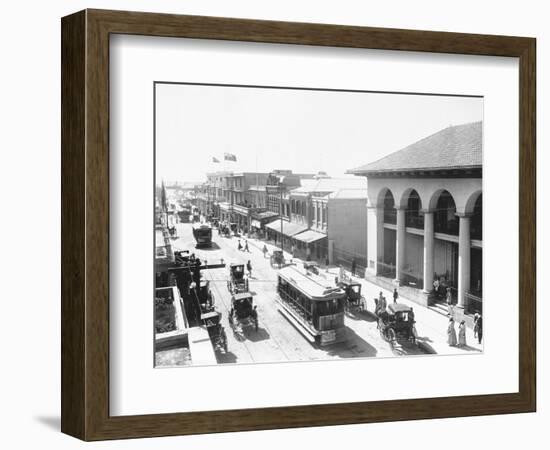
(396, 324)
(237, 282)
(354, 299)
(243, 312)
(173, 232)
(224, 229)
(277, 258)
(216, 332)
(210, 316)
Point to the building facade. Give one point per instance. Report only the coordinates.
(306, 230)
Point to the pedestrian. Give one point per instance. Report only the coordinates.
(449, 300)
(239, 246)
(246, 249)
(395, 295)
(249, 268)
(327, 262)
(451, 333)
(264, 250)
(478, 327)
(462, 334)
(353, 266)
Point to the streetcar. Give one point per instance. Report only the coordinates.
(202, 234)
(184, 215)
(312, 305)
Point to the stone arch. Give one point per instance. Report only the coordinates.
(382, 195)
(405, 196)
(443, 204)
(386, 200)
(412, 202)
(471, 202)
(476, 213)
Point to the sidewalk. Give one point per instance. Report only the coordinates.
(431, 326)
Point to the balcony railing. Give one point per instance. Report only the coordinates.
(390, 216)
(447, 227)
(414, 221)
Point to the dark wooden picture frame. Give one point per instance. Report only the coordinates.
(85, 224)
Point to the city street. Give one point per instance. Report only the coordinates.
(276, 339)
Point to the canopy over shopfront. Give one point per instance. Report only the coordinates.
(309, 236)
(289, 229)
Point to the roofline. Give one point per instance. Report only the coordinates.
(412, 169)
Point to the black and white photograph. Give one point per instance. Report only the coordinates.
(300, 224)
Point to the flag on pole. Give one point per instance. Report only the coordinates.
(229, 157)
(215, 160)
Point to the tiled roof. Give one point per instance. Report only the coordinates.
(454, 147)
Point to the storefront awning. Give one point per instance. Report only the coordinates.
(289, 228)
(310, 236)
(265, 215)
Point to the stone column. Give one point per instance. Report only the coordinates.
(463, 258)
(375, 238)
(400, 245)
(428, 272)
(331, 251)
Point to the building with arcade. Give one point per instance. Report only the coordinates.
(424, 218)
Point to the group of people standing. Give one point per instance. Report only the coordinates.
(452, 339)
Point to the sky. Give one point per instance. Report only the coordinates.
(304, 130)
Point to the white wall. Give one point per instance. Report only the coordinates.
(30, 231)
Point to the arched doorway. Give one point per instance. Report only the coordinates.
(445, 243)
(386, 267)
(413, 266)
(474, 297)
(413, 215)
(445, 219)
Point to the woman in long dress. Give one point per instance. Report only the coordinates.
(462, 334)
(451, 333)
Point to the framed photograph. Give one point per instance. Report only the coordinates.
(273, 225)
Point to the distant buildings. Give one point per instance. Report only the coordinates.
(314, 229)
